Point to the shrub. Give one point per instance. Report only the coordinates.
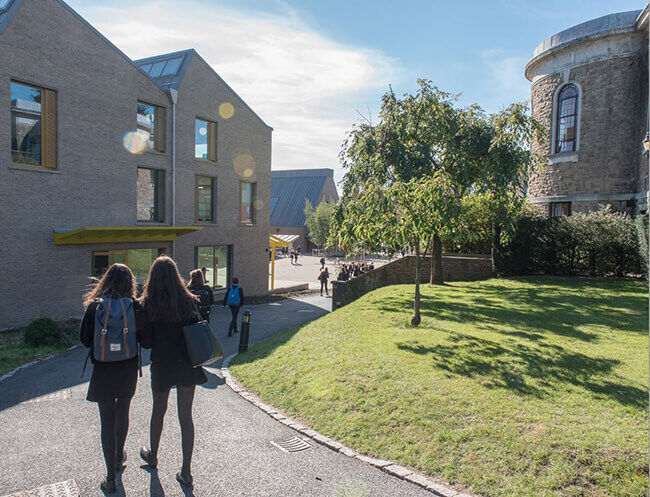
(600, 243)
(42, 332)
(641, 223)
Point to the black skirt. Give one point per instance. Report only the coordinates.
(113, 379)
(165, 375)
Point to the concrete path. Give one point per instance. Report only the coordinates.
(49, 433)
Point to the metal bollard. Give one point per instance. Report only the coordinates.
(245, 329)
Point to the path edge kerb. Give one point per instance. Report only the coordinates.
(389, 467)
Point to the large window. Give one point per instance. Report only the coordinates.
(151, 124)
(205, 140)
(33, 126)
(214, 261)
(206, 196)
(139, 260)
(559, 209)
(567, 120)
(150, 204)
(247, 202)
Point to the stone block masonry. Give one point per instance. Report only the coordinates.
(402, 271)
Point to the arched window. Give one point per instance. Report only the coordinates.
(566, 124)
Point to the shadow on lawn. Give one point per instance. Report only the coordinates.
(535, 368)
(544, 308)
(527, 370)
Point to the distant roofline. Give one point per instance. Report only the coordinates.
(619, 23)
(301, 173)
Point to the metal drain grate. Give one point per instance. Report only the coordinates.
(62, 489)
(294, 444)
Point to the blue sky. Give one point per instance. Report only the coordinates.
(308, 66)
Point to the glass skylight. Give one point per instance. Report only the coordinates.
(4, 5)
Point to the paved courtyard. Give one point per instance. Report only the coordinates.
(49, 433)
(307, 270)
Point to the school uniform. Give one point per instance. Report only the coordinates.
(109, 380)
(170, 363)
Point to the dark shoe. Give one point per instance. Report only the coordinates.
(108, 486)
(236, 330)
(120, 463)
(229, 333)
(148, 457)
(188, 482)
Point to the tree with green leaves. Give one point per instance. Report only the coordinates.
(391, 216)
(425, 133)
(318, 221)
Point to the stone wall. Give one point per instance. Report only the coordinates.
(402, 272)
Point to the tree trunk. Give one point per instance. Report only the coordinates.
(436, 262)
(415, 320)
(496, 242)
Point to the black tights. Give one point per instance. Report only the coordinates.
(114, 418)
(184, 399)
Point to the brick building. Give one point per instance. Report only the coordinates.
(103, 159)
(590, 91)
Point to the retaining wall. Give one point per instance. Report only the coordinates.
(455, 267)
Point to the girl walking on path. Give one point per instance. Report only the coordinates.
(112, 384)
(205, 294)
(167, 307)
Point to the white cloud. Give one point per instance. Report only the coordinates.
(304, 85)
(505, 76)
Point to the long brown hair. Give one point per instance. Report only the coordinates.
(117, 278)
(196, 279)
(164, 295)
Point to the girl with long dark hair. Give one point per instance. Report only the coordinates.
(167, 307)
(112, 384)
(197, 287)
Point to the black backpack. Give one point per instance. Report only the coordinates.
(204, 300)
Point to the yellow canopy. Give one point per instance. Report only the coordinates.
(276, 241)
(121, 234)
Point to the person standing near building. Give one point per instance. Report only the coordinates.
(234, 299)
(168, 307)
(115, 369)
(205, 294)
(323, 277)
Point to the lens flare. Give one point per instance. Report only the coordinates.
(244, 165)
(258, 205)
(135, 141)
(226, 110)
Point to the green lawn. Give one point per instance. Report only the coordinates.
(14, 352)
(510, 387)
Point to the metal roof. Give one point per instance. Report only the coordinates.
(8, 9)
(167, 70)
(290, 189)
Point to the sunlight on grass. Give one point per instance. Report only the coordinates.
(533, 386)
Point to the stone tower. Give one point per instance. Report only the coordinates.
(590, 92)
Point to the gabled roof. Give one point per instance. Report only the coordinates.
(168, 70)
(290, 189)
(8, 9)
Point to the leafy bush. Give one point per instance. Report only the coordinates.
(641, 223)
(43, 331)
(600, 243)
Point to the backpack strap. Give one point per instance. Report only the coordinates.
(125, 328)
(104, 330)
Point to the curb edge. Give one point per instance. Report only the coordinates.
(388, 467)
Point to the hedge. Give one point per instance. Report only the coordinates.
(600, 243)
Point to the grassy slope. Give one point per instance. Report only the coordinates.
(534, 386)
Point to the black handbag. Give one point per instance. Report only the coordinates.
(201, 342)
